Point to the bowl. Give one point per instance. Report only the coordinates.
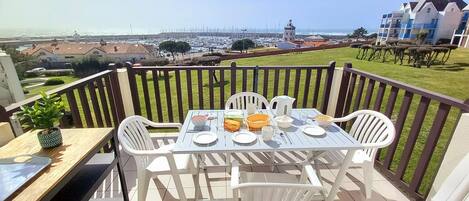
(323, 120)
(199, 120)
(257, 121)
(284, 121)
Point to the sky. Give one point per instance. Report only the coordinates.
(63, 17)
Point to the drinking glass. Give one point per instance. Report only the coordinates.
(267, 133)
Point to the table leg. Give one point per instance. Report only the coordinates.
(120, 170)
(340, 175)
(176, 177)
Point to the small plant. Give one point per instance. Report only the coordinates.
(44, 114)
(54, 81)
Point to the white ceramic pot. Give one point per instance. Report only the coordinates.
(283, 121)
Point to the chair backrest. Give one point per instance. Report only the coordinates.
(372, 129)
(134, 136)
(240, 101)
(456, 185)
(277, 191)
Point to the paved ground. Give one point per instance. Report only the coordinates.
(214, 183)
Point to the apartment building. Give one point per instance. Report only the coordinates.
(461, 35)
(438, 18)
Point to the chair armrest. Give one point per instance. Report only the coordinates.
(234, 174)
(310, 173)
(164, 125)
(156, 152)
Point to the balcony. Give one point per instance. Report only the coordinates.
(165, 94)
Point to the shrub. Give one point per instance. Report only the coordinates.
(54, 81)
(89, 66)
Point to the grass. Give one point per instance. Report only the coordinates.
(36, 91)
(450, 79)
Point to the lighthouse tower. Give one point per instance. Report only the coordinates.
(289, 32)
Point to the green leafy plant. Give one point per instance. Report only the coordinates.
(43, 114)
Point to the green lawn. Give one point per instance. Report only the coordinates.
(451, 79)
(36, 91)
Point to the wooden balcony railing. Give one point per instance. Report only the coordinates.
(167, 93)
(423, 127)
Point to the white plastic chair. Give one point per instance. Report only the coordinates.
(136, 141)
(456, 185)
(240, 100)
(253, 186)
(373, 130)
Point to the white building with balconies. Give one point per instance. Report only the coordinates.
(437, 18)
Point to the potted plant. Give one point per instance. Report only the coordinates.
(44, 115)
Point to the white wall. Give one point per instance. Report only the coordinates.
(448, 22)
(9, 82)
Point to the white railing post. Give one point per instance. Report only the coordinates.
(9, 82)
(335, 88)
(456, 151)
(125, 91)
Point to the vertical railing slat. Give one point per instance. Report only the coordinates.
(167, 88)
(296, 87)
(190, 100)
(405, 106)
(358, 98)
(177, 73)
(317, 87)
(328, 86)
(432, 140)
(379, 97)
(306, 89)
(146, 94)
(134, 90)
(94, 101)
(112, 103)
(201, 88)
(156, 86)
(265, 91)
(413, 135)
(286, 84)
(210, 89)
(104, 104)
(369, 93)
(244, 85)
(222, 89)
(233, 78)
(72, 102)
(85, 107)
(276, 82)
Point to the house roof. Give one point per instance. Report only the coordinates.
(413, 5)
(466, 8)
(66, 48)
(440, 5)
(314, 38)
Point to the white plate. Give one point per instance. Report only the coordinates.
(204, 137)
(244, 137)
(313, 130)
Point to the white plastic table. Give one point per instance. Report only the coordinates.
(292, 140)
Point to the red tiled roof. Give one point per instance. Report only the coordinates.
(83, 48)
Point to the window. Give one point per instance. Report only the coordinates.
(452, 9)
(428, 10)
(41, 54)
(95, 52)
(69, 57)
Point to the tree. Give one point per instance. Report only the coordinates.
(359, 33)
(182, 47)
(243, 44)
(169, 46)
